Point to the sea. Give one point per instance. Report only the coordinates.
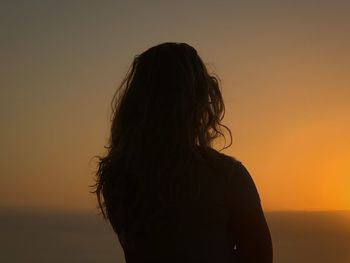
(32, 235)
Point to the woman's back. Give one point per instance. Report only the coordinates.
(208, 228)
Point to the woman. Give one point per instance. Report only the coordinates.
(169, 196)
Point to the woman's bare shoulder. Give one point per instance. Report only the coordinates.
(228, 159)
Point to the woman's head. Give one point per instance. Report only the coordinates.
(165, 114)
(167, 97)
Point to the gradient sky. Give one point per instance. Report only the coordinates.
(284, 69)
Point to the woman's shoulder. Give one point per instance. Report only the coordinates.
(238, 178)
(239, 182)
(225, 160)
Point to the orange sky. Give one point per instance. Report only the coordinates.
(284, 67)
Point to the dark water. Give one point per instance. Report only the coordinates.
(39, 236)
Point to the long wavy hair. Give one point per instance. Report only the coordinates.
(165, 116)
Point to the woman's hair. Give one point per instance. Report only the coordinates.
(165, 115)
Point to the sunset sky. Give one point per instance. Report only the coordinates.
(285, 74)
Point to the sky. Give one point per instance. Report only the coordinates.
(284, 71)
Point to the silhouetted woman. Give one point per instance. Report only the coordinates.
(169, 196)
